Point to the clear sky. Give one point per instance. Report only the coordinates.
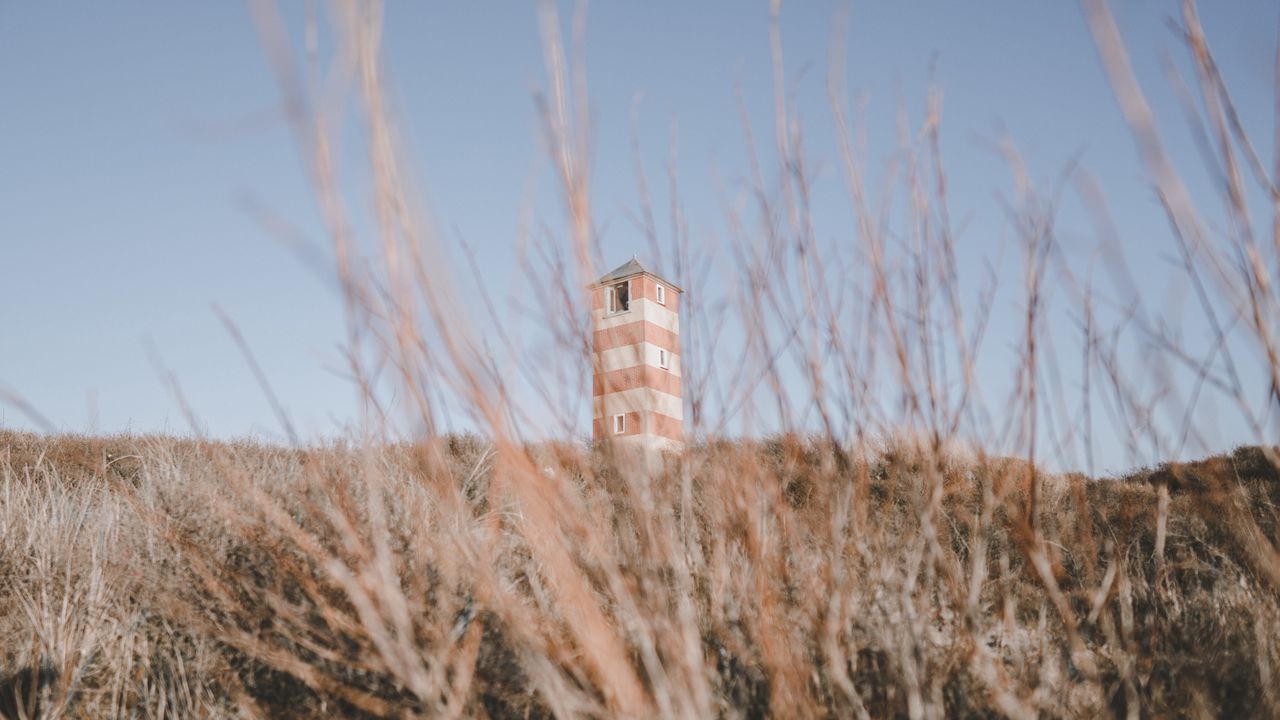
(131, 134)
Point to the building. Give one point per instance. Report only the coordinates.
(636, 389)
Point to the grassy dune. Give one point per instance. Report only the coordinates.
(153, 576)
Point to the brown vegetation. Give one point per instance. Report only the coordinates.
(164, 577)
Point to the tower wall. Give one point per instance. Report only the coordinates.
(629, 379)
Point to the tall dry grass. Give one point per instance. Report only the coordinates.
(150, 576)
(906, 555)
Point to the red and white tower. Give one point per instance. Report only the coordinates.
(635, 322)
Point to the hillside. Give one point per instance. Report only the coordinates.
(787, 577)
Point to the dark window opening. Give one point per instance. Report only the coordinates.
(621, 297)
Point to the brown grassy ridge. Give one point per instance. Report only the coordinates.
(150, 576)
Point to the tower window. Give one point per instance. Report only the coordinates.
(662, 295)
(620, 297)
(619, 424)
(664, 359)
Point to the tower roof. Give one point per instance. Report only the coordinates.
(632, 268)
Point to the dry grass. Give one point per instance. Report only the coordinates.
(162, 577)
(941, 572)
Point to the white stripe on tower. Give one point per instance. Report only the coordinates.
(642, 353)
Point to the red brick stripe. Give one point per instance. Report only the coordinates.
(642, 286)
(603, 427)
(659, 424)
(666, 426)
(636, 332)
(649, 291)
(639, 376)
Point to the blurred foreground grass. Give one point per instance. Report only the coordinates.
(154, 576)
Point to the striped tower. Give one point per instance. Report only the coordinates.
(636, 397)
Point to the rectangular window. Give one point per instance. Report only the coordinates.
(664, 359)
(662, 295)
(620, 297)
(619, 424)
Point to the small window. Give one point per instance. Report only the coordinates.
(662, 295)
(620, 297)
(664, 359)
(619, 424)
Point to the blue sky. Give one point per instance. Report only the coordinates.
(131, 134)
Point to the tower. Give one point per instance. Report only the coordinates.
(636, 393)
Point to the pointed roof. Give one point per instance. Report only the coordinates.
(632, 268)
